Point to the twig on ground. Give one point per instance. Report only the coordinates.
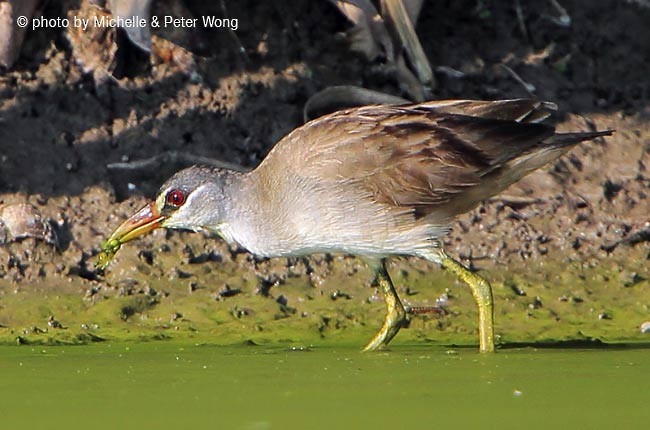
(564, 20)
(174, 157)
(631, 240)
(233, 35)
(520, 19)
(530, 88)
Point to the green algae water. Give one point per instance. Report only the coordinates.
(174, 385)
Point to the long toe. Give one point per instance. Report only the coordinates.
(395, 320)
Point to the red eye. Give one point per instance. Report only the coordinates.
(175, 198)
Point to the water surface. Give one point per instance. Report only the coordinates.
(173, 385)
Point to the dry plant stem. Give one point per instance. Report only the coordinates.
(564, 19)
(409, 83)
(233, 35)
(520, 19)
(413, 8)
(340, 97)
(530, 88)
(140, 36)
(398, 17)
(369, 35)
(11, 35)
(172, 157)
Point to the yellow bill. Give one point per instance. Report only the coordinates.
(143, 221)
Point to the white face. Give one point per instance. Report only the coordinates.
(197, 210)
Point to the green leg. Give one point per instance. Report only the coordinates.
(482, 292)
(395, 313)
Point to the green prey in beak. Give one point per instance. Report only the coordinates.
(143, 221)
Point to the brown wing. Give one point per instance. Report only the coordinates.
(418, 156)
(519, 110)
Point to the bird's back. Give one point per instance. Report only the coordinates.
(396, 175)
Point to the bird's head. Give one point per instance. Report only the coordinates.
(192, 199)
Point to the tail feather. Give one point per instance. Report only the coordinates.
(512, 171)
(567, 139)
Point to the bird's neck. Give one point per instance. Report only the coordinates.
(254, 213)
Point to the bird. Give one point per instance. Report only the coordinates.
(375, 181)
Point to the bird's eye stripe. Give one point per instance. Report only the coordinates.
(175, 198)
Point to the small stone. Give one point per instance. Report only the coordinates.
(283, 301)
(239, 313)
(611, 189)
(193, 286)
(633, 279)
(645, 327)
(146, 256)
(228, 291)
(338, 294)
(53, 322)
(19, 221)
(517, 290)
(536, 304)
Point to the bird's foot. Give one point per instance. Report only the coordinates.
(396, 318)
(482, 292)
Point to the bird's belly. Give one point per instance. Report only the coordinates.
(327, 218)
(359, 238)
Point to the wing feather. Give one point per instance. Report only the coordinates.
(417, 157)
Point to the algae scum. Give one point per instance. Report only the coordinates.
(182, 385)
(198, 289)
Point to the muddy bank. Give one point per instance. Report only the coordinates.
(567, 248)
